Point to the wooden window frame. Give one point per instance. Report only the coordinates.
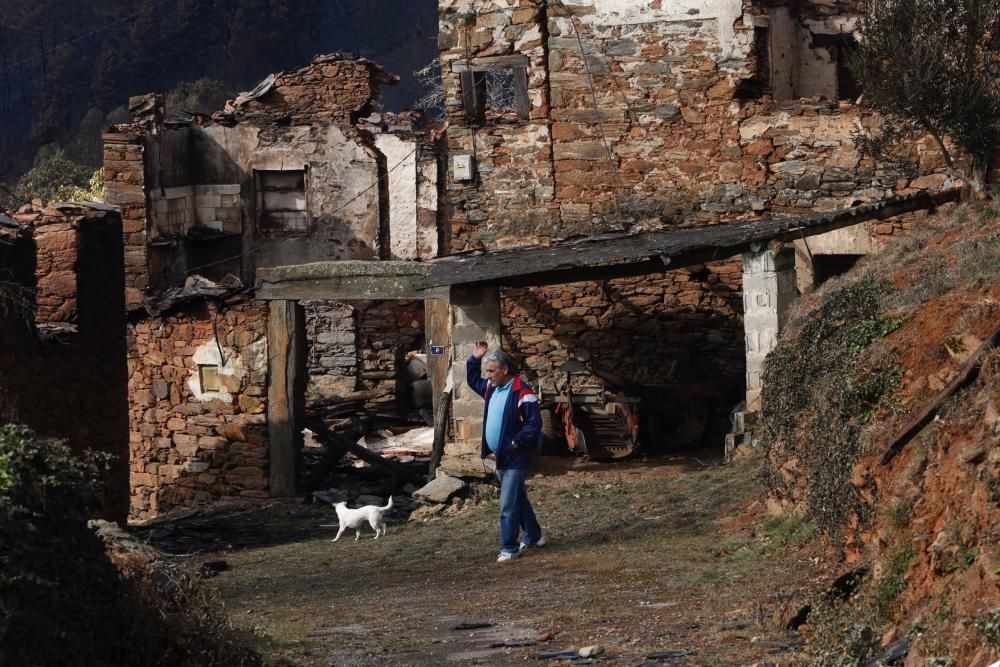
(473, 81)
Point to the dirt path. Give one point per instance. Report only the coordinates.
(643, 560)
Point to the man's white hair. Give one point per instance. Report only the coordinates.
(501, 359)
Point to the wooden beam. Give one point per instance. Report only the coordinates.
(394, 468)
(437, 333)
(965, 376)
(593, 258)
(490, 63)
(440, 433)
(349, 279)
(344, 287)
(285, 393)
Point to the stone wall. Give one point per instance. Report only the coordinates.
(197, 438)
(683, 326)
(124, 179)
(62, 362)
(684, 144)
(334, 88)
(641, 114)
(649, 124)
(362, 346)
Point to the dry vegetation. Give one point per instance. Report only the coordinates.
(643, 557)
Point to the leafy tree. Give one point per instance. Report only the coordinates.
(55, 177)
(932, 66)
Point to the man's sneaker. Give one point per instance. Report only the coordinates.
(525, 545)
(506, 556)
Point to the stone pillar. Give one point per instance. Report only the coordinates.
(475, 316)
(768, 290)
(124, 187)
(286, 375)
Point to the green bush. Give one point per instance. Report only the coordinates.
(55, 177)
(988, 625)
(62, 601)
(59, 594)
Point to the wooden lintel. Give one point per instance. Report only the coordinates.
(490, 63)
(347, 287)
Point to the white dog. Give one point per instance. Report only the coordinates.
(349, 518)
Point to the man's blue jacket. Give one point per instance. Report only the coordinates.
(522, 420)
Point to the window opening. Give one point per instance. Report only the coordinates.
(281, 202)
(759, 84)
(831, 266)
(495, 89)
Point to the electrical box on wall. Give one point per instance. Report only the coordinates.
(461, 167)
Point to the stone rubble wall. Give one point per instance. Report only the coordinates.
(62, 320)
(333, 88)
(362, 346)
(683, 148)
(124, 182)
(189, 447)
(662, 138)
(683, 326)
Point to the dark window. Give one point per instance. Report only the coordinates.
(843, 48)
(281, 202)
(831, 266)
(848, 87)
(759, 84)
(494, 89)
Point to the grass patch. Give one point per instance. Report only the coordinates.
(893, 582)
(789, 529)
(988, 625)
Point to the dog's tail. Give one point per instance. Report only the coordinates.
(389, 504)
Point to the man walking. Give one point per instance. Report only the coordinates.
(511, 425)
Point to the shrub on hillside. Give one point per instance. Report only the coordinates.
(62, 601)
(819, 391)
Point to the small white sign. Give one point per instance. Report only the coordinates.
(461, 167)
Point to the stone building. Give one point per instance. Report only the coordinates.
(573, 118)
(566, 120)
(62, 314)
(300, 169)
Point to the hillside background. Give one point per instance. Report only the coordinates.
(68, 67)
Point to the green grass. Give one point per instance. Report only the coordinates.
(893, 581)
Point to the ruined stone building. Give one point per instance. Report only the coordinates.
(62, 314)
(298, 170)
(564, 120)
(571, 118)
